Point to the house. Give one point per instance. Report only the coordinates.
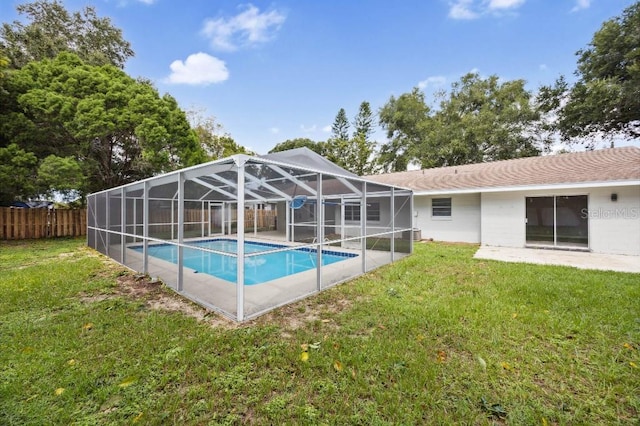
(579, 201)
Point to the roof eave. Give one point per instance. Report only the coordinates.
(556, 186)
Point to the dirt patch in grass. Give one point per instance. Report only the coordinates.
(302, 313)
(157, 296)
(139, 287)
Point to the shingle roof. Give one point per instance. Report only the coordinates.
(605, 165)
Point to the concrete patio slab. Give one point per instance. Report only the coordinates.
(577, 259)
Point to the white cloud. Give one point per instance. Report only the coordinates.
(543, 67)
(248, 28)
(147, 1)
(473, 9)
(309, 129)
(198, 69)
(581, 4)
(433, 81)
(274, 130)
(460, 9)
(505, 4)
(327, 128)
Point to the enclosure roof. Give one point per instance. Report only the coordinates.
(605, 165)
(270, 177)
(306, 158)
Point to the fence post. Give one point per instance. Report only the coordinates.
(21, 223)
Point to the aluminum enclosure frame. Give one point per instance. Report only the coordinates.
(249, 199)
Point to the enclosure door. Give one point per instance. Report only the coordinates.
(216, 218)
(559, 221)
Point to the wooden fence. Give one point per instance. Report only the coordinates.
(264, 219)
(21, 223)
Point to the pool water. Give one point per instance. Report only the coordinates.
(257, 269)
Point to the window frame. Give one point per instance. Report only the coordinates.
(442, 209)
(352, 212)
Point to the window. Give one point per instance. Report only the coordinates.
(441, 207)
(373, 212)
(352, 212)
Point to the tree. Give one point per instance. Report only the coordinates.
(364, 121)
(212, 138)
(317, 147)
(406, 120)
(482, 120)
(51, 29)
(6, 101)
(118, 128)
(359, 156)
(230, 147)
(361, 148)
(352, 154)
(478, 120)
(60, 175)
(337, 143)
(605, 101)
(340, 126)
(4, 65)
(17, 174)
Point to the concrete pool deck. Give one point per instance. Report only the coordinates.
(221, 296)
(576, 259)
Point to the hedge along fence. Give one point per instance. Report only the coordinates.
(21, 223)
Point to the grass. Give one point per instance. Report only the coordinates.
(437, 338)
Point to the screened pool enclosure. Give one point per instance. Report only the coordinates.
(245, 234)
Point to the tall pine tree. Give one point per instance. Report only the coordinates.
(338, 142)
(361, 147)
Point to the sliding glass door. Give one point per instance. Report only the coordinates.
(558, 221)
(572, 223)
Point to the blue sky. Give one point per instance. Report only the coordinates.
(276, 70)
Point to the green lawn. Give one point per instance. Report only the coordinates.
(437, 338)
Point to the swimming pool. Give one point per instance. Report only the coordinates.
(257, 269)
